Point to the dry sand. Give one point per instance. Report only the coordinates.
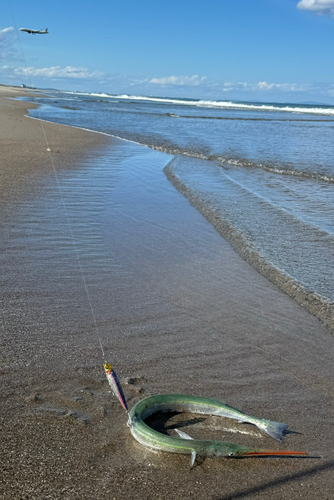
(187, 315)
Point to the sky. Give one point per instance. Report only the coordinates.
(246, 50)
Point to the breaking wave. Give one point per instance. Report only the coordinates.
(320, 109)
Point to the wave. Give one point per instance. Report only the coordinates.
(326, 110)
(224, 161)
(235, 162)
(273, 169)
(295, 108)
(313, 298)
(248, 118)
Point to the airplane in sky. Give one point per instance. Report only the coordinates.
(35, 32)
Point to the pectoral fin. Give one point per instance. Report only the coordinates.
(193, 458)
(182, 434)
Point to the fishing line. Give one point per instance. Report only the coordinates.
(70, 227)
(27, 74)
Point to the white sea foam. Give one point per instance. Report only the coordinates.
(268, 107)
(293, 108)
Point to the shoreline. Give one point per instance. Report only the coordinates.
(177, 310)
(33, 158)
(310, 301)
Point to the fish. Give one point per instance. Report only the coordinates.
(115, 385)
(184, 444)
(208, 406)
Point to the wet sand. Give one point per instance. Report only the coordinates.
(177, 310)
(24, 145)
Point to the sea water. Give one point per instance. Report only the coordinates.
(261, 173)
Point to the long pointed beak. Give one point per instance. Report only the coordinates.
(268, 453)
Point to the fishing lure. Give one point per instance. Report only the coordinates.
(115, 385)
(185, 444)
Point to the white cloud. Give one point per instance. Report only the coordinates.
(239, 86)
(7, 30)
(82, 78)
(7, 44)
(179, 80)
(324, 7)
(263, 86)
(55, 76)
(59, 72)
(285, 87)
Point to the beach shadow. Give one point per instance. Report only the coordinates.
(159, 421)
(278, 482)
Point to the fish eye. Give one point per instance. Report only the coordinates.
(231, 454)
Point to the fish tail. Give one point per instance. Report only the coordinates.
(274, 429)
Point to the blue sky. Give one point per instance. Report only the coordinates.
(267, 50)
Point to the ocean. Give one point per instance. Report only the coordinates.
(261, 173)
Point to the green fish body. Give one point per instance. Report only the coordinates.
(207, 448)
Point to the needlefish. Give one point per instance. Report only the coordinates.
(184, 444)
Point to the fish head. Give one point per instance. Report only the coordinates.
(107, 367)
(222, 449)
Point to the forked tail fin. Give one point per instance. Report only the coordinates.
(274, 429)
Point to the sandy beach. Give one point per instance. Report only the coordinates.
(176, 310)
